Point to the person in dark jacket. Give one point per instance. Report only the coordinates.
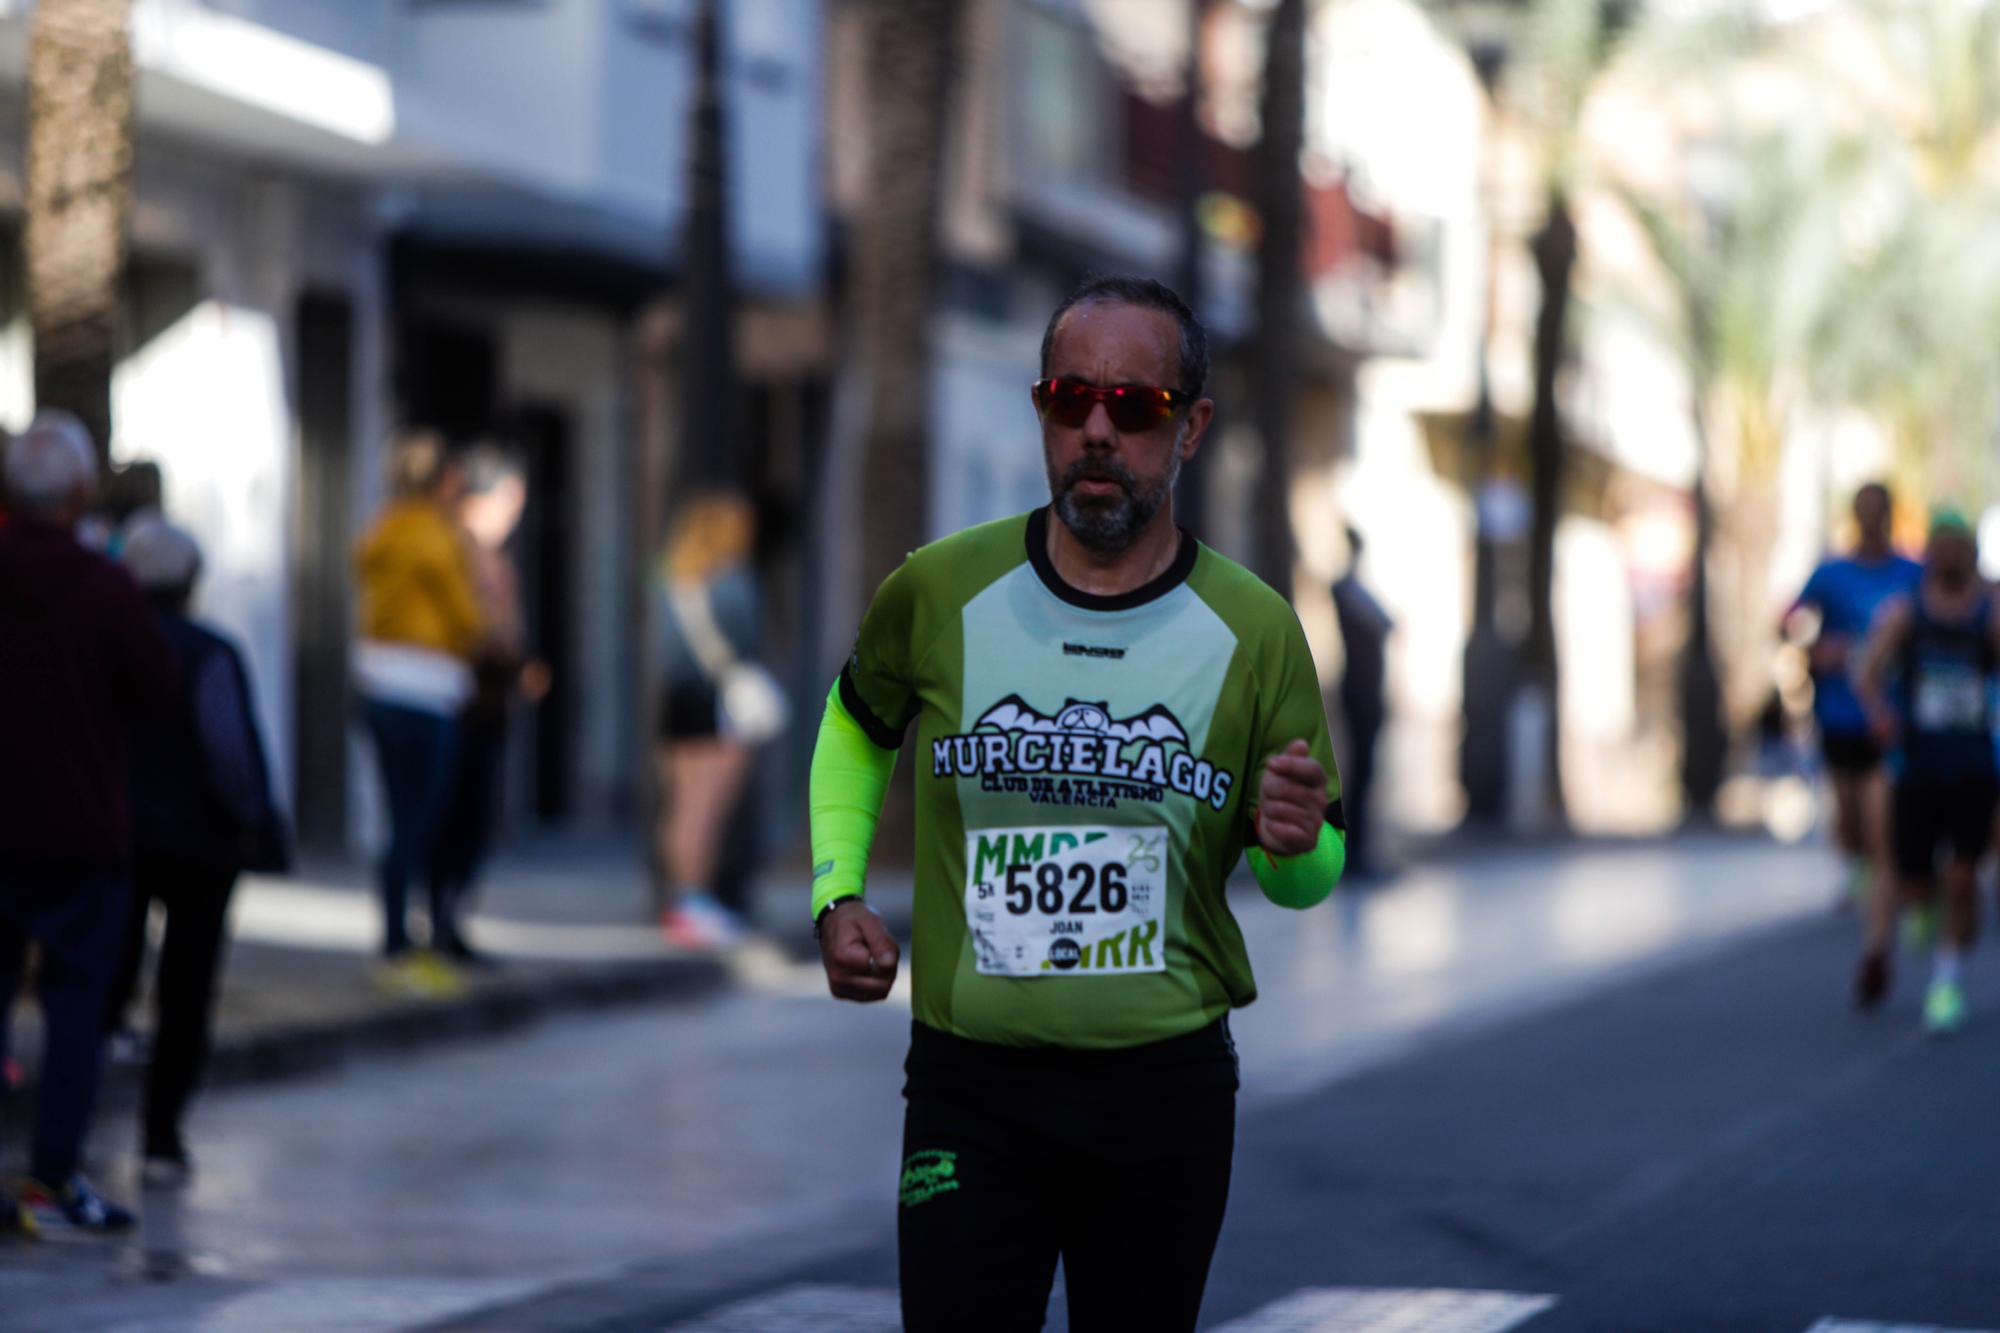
(81, 661)
(1364, 634)
(202, 813)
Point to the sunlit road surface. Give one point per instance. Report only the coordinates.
(677, 1159)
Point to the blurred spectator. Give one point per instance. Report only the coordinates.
(420, 625)
(495, 492)
(202, 812)
(80, 662)
(716, 705)
(132, 494)
(1364, 635)
(125, 493)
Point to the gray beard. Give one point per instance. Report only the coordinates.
(1110, 524)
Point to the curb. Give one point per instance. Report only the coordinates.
(490, 1010)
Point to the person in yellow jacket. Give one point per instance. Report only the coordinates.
(420, 624)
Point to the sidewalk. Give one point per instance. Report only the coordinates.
(567, 920)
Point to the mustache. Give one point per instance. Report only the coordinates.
(1100, 469)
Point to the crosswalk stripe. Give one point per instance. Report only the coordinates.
(1391, 1310)
(820, 1308)
(1869, 1325)
(833, 1309)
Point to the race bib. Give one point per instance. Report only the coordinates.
(1052, 902)
(1949, 699)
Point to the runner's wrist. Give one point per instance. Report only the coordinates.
(826, 909)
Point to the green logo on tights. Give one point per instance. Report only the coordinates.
(928, 1174)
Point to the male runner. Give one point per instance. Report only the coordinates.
(1940, 647)
(1108, 713)
(1846, 591)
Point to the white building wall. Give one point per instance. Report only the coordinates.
(776, 95)
(514, 90)
(211, 398)
(641, 104)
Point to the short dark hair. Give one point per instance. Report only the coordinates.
(486, 464)
(1148, 294)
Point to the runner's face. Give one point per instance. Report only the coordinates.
(1953, 560)
(1871, 513)
(1108, 486)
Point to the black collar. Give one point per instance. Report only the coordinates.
(1170, 578)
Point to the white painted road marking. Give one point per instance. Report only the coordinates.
(827, 1309)
(831, 1309)
(1392, 1310)
(1865, 1326)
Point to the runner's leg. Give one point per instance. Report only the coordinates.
(704, 779)
(976, 1241)
(1850, 811)
(1971, 818)
(1913, 845)
(1138, 1234)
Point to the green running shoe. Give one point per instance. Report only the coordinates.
(1944, 1009)
(1860, 877)
(1920, 927)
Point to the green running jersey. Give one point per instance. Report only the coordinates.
(1085, 772)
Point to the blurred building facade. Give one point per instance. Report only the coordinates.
(471, 216)
(355, 216)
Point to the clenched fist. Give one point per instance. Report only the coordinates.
(859, 954)
(1291, 801)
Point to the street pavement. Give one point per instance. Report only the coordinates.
(1550, 1088)
(567, 921)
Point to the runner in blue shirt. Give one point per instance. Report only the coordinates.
(1846, 592)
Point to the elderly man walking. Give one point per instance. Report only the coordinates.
(80, 658)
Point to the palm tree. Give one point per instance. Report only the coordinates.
(893, 260)
(1569, 44)
(78, 199)
(1754, 261)
(1922, 362)
(881, 401)
(1279, 310)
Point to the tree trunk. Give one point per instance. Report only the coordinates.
(79, 189)
(1487, 667)
(1189, 182)
(1281, 209)
(894, 270)
(1704, 743)
(710, 453)
(1554, 247)
(881, 410)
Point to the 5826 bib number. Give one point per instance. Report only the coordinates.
(1084, 888)
(1068, 901)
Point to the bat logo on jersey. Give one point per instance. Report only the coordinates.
(1156, 723)
(1016, 747)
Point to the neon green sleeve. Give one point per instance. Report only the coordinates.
(1304, 880)
(849, 774)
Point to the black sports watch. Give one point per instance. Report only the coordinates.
(820, 918)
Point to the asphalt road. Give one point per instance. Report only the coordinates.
(1554, 1090)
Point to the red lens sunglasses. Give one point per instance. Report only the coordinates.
(1133, 408)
